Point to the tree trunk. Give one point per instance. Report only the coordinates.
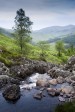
(21, 46)
(59, 53)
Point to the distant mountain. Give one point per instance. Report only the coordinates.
(69, 39)
(6, 32)
(54, 32)
(50, 34)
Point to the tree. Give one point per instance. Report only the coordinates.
(59, 47)
(71, 50)
(44, 47)
(22, 29)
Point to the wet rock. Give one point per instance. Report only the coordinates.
(61, 94)
(42, 83)
(52, 72)
(68, 80)
(68, 95)
(67, 89)
(71, 60)
(28, 67)
(61, 99)
(73, 78)
(71, 99)
(21, 71)
(3, 69)
(60, 80)
(38, 96)
(11, 92)
(4, 79)
(56, 72)
(14, 81)
(73, 84)
(52, 82)
(42, 89)
(53, 92)
(70, 64)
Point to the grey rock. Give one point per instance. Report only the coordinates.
(38, 96)
(61, 99)
(11, 92)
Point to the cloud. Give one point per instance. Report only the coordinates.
(10, 5)
(42, 12)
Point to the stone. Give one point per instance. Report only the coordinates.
(68, 80)
(28, 67)
(41, 83)
(60, 80)
(71, 60)
(4, 79)
(52, 82)
(67, 89)
(61, 99)
(53, 92)
(3, 69)
(56, 72)
(38, 96)
(11, 92)
(14, 81)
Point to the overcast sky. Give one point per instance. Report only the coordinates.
(43, 13)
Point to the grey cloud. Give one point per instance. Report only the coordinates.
(52, 5)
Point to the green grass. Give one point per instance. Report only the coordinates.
(66, 107)
(11, 50)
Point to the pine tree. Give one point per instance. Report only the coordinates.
(22, 28)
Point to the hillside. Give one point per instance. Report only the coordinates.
(6, 32)
(53, 32)
(69, 39)
(50, 34)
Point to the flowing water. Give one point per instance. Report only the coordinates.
(27, 103)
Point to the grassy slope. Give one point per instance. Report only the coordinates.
(10, 50)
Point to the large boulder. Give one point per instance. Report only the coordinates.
(70, 64)
(53, 91)
(21, 71)
(52, 82)
(11, 92)
(4, 79)
(60, 80)
(67, 89)
(14, 81)
(71, 60)
(3, 69)
(42, 83)
(25, 69)
(61, 99)
(56, 72)
(38, 96)
(71, 80)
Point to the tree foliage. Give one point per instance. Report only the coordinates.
(22, 29)
(44, 46)
(59, 47)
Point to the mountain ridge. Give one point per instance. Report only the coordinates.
(49, 34)
(53, 32)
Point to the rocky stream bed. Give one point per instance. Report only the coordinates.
(36, 86)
